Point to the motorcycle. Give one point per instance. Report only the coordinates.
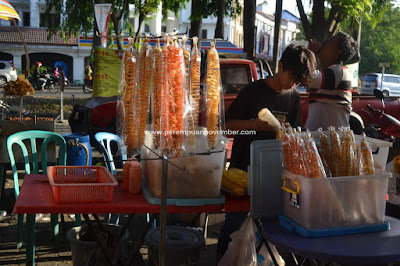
(388, 127)
(51, 84)
(87, 86)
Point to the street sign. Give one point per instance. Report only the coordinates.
(384, 64)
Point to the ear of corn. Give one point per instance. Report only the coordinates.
(367, 160)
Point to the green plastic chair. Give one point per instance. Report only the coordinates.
(29, 140)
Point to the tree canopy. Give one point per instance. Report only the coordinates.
(322, 25)
(78, 16)
(379, 43)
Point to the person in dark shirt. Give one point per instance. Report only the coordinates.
(277, 93)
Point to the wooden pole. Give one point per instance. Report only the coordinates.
(27, 68)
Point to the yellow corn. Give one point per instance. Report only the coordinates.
(367, 160)
(327, 154)
(336, 150)
(229, 185)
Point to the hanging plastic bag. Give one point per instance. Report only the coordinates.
(242, 249)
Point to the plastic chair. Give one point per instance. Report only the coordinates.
(106, 139)
(28, 140)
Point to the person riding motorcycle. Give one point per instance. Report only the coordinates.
(38, 77)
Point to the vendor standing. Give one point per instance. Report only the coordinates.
(330, 90)
(278, 94)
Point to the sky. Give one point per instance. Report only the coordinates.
(289, 5)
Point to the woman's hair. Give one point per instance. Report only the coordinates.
(349, 48)
(301, 63)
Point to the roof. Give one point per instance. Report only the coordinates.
(33, 36)
(267, 16)
(289, 16)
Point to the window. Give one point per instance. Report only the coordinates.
(146, 28)
(234, 78)
(370, 78)
(385, 79)
(204, 34)
(26, 18)
(163, 28)
(393, 79)
(54, 20)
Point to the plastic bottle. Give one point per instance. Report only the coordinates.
(125, 176)
(266, 116)
(135, 178)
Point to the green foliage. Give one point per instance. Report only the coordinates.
(210, 8)
(379, 43)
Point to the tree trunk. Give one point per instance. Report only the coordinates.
(139, 30)
(117, 31)
(249, 26)
(219, 29)
(195, 23)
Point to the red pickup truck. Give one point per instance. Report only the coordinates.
(239, 66)
(235, 74)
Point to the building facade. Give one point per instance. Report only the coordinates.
(74, 52)
(50, 52)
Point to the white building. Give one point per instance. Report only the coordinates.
(74, 52)
(265, 27)
(48, 52)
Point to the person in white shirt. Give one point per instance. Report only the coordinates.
(330, 89)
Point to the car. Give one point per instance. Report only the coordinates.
(390, 85)
(7, 72)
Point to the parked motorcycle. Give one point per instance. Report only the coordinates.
(387, 127)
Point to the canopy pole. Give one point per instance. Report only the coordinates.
(25, 48)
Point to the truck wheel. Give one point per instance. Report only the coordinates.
(385, 93)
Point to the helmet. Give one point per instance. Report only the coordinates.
(38, 64)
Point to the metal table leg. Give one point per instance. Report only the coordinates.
(30, 238)
(141, 239)
(90, 224)
(163, 215)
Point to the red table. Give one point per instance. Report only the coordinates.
(36, 196)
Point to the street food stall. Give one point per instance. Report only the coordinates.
(320, 186)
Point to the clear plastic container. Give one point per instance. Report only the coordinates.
(323, 203)
(197, 176)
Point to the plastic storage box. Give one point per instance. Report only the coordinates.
(322, 203)
(81, 183)
(196, 176)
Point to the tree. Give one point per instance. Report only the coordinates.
(78, 15)
(218, 8)
(219, 28)
(322, 25)
(248, 27)
(379, 44)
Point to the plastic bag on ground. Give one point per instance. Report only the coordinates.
(241, 250)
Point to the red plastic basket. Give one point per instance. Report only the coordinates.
(81, 183)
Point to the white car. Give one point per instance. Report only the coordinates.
(7, 72)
